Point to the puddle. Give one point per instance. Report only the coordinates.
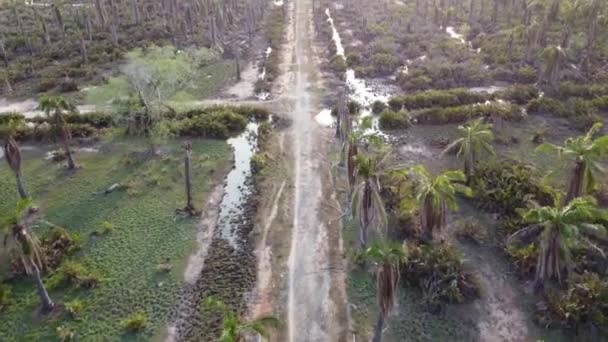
(489, 89)
(50, 154)
(324, 118)
(236, 187)
(278, 3)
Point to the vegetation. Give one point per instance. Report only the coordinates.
(235, 329)
(460, 114)
(390, 120)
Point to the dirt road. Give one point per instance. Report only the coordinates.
(314, 312)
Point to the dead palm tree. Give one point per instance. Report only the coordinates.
(235, 329)
(366, 204)
(475, 139)
(388, 258)
(188, 179)
(437, 195)
(54, 108)
(559, 228)
(13, 158)
(25, 244)
(586, 153)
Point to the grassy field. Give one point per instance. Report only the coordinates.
(146, 233)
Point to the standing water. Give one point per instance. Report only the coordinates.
(236, 187)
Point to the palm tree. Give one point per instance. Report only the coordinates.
(388, 257)
(234, 328)
(553, 58)
(475, 139)
(586, 153)
(437, 195)
(366, 203)
(559, 228)
(13, 225)
(58, 105)
(13, 158)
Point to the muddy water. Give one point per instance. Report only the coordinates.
(236, 190)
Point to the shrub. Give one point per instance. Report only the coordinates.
(136, 322)
(385, 63)
(506, 185)
(526, 74)
(378, 107)
(5, 118)
(67, 85)
(439, 272)
(394, 120)
(105, 227)
(462, 114)
(583, 304)
(524, 258)
(212, 124)
(72, 273)
(353, 60)
(258, 162)
(546, 105)
(439, 98)
(5, 296)
(586, 91)
(65, 334)
(471, 230)
(74, 308)
(519, 94)
(338, 64)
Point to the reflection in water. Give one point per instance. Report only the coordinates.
(236, 187)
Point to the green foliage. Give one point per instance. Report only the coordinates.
(234, 328)
(471, 230)
(394, 120)
(547, 105)
(524, 258)
(460, 114)
(438, 98)
(74, 308)
(385, 63)
(6, 118)
(338, 64)
(378, 106)
(585, 91)
(259, 161)
(442, 75)
(519, 93)
(72, 273)
(507, 185)
(135, 322)
(439, 272)
(6, 294)
(65, 334)
(583, 304)
(105, 227)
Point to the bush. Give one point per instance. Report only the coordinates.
(67, 85)
(72, 273)
(439, 98)
(394, 120)
(217, 123)
(5, 118)
(65, 334)
(353, 60)
(105, 228)
(74, 308)
(439, 272)
(507, 185)
(586, 91)
(136, 322)
(583, 304)
(385, 63)
(524, 258)
(258, 162)
(378, 107)
(338, 64)
(471, 230)
(461, 114)
(526, 74)
(5, 296)
(547, 105)
(519, 94)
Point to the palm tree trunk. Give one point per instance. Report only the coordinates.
(189, 205)
(378, 328)
(575, 187)
(45, 299)
(20, 185)
(100, 14)
(67, 150)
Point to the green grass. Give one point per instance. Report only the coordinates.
(146, 232)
